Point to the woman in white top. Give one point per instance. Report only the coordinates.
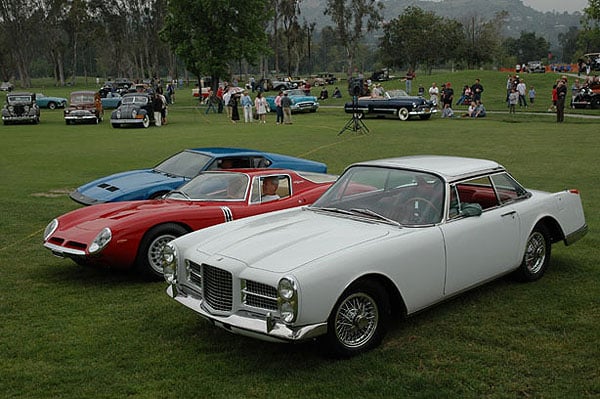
(260, 103)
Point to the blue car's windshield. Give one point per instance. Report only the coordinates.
(184, 164)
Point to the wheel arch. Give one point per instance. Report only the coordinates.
(397, 305)
(553, 228)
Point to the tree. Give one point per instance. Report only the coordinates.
(352, 19)
(527, 47)
(589, 39)
(419, 37)
(209, 35)
(483, 39)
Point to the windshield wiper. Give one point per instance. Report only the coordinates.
(334, 210)
(368, 212)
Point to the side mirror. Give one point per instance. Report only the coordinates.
(468, 210)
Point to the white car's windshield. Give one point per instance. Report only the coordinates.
(403, 196)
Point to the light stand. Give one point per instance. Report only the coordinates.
(355, 123)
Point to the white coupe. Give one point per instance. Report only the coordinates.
(390, 238)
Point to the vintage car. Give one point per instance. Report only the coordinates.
(389, 238)
(588, 96)
(300, 101)
(111, 100)
(394, 103)
(136, 109)
(132, 234)
(6, 86)
(50, 102)
(181, 167)
(119, 86)
(593, 60)
(20, 108)
(84, 107)
(536, 67)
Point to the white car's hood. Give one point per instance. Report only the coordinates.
(281, 241)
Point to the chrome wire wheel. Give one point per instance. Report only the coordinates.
(535, 253)
(154, 254)
(356, 320)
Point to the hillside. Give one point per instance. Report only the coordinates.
(520, 17)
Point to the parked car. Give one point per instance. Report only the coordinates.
(389, 238)
(300, 101)
(84, 107)
(395, 103)
(588, 96)
(328, 77)
(593, 60)
(50, 102)
(180, 168)
(536, 67)
(120, 86)
(6, 86)
(136, 109)
(20, 108)
(132, 234)
(111, 100)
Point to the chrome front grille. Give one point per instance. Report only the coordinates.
(259, 295)
(217, 287)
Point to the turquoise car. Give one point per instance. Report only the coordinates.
(49, 102)
(300, 101)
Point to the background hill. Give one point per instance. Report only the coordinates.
(520, 17)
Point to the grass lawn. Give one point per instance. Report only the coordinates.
(73, 332)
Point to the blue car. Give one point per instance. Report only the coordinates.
(50, 102)
(178, 169)
(300, 101)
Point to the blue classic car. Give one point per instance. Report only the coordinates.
(178, 169)
(50, 102)
(111, 100)
(394, 103)
(300, 101)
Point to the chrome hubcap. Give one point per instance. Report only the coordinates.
(535, 254)
(155, 252)
(356, 320)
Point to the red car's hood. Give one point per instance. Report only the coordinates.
(96, 217)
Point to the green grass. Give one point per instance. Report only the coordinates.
(73, 332)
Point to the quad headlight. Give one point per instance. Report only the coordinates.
(287, 291)
(101, 241)
(169, 259)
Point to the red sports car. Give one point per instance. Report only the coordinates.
(132, 234)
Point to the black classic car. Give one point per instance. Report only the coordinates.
(136, 109)
(395, 103)
(20, 108)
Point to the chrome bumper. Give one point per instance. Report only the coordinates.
(249, 324)
(576, 235)
(63, 252)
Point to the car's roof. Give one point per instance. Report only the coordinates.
(220, 151)
(449, 167)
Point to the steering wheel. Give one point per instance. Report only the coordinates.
(419, 214)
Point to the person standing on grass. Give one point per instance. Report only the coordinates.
(513, 99)
(531, 95)
(278, 109)
(246, 102)
(286, 105)
(260, 103)
(561, 94)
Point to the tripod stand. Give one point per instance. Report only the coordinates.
(355, 123)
